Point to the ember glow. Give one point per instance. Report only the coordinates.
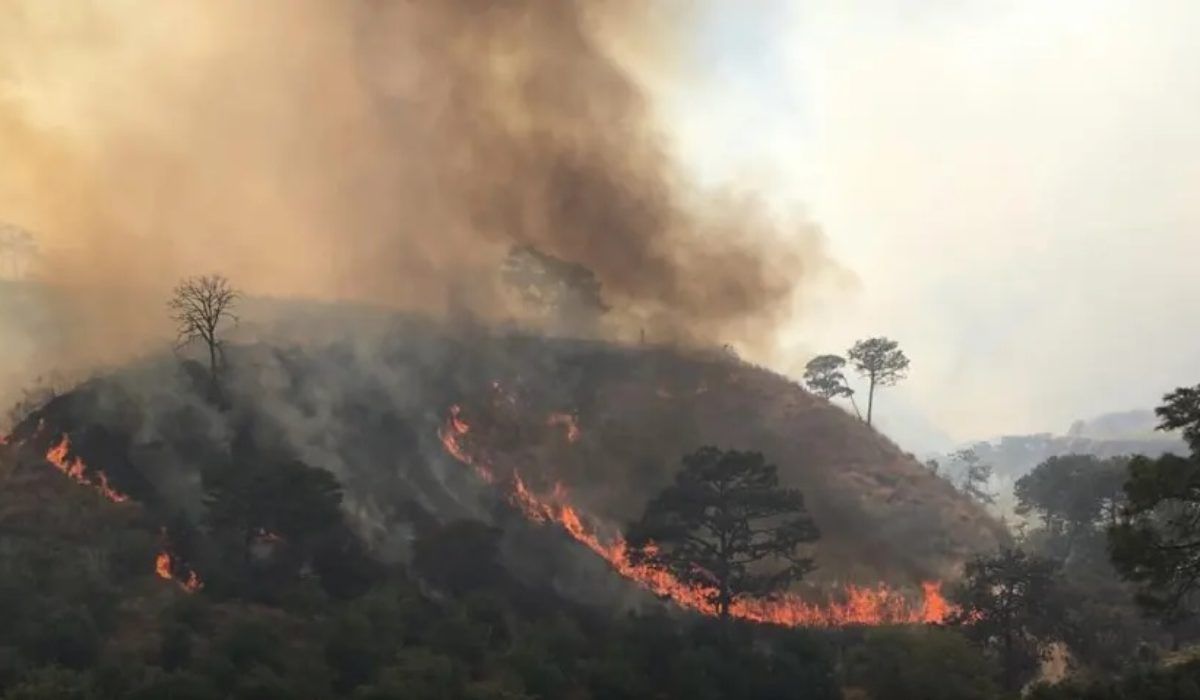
(164, 566)
(569, 422)
(78, 471)
(863, 605)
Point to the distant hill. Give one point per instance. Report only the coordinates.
(1108, 435)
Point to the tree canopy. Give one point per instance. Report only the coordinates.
(558, 290)
(1010, 603)
(1156, 541)
(1181, 411)
(881, 362)
(824, 377)
(1073, 492)
(727, 526)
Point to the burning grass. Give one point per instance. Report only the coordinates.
(877, 605)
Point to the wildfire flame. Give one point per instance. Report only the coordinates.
(164, 566)
(78, 471)
(863, 605)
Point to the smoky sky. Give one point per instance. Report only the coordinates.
(389, 152)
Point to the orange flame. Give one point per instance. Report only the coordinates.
(77, 470)
(452, 433)
(164, 566)
(863, 605)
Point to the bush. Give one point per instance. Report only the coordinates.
(927, 663)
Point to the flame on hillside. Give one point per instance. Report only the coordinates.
(58, 455)
(165, 566)
(863, 605)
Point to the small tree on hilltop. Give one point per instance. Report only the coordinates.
(200, 306)
(726, 526)
(558, 290)
(824, 377)
(882, 362)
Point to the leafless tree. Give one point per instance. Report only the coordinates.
(200, 306)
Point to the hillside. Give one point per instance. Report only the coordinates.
(369, 410)
(115, 584)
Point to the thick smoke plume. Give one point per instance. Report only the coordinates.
(390, 152)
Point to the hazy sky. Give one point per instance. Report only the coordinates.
(1014, 184)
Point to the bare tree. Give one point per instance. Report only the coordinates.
(200, 306)
(882, 362)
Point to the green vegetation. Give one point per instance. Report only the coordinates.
(1156, 542)
(928, 663)
(726, 526)
(378, 583)
(1010, 605)
(86, 618)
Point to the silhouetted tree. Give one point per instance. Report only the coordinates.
(882, 362)
(726, 526)
(824, 377)
(273, 517)
(1181, 411)
(559, 290)
(975, 476)
(199, 307)
(1156, 541)
(1072, 493)
(1010, 604)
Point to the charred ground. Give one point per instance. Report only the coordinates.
(608, 422)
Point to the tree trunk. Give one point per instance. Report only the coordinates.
(855, 405)
(723, 605)
(871, 399)
(214, 388)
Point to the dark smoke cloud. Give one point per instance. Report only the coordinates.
(382, 151)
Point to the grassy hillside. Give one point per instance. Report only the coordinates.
(369, 409)
(884, 517)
